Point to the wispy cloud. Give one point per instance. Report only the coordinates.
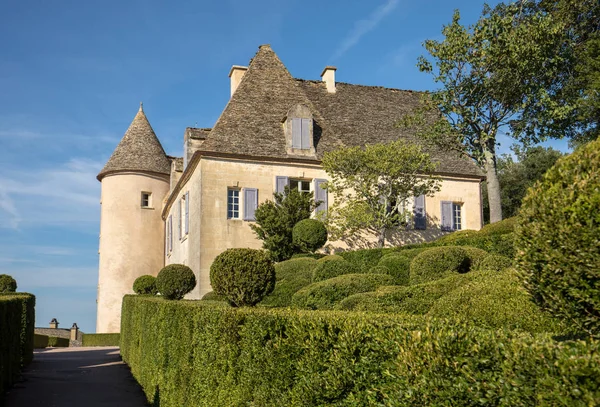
(362, 27)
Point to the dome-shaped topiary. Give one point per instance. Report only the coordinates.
(332, 268)
(7, 284)
(309, 235)
(145, 285)
(495, 262)
(398, 267)
(557, 237)
(175, 281)
(244, 276)
(437, 263)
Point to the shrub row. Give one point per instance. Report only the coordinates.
(45, 341)
(201, 355)
(101, 339)
(290, 276)
(17, 318)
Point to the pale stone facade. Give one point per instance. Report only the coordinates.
(274, 130)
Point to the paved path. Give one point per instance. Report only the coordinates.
(76, 377)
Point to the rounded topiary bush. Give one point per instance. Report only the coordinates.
(309, 235)
(212, 296)
(499, 228)
(291, 275)
(325, 294)
(329, 269)
(398, 267)
(476, 256)
(379, 270)
(145, 285)
(438, 262)
(495, 262)
(496, 301)
(315, 256)
(7, 284)
(175, 281)
(331, 257)
(243, 276)
(557, 239)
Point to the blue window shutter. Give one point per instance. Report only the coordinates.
(281, 183)
(250, 203)
(296, 133)
(187, 212)
(180, 219)
(446, 215)
(320, 195)
(306, 134)
(419, 213)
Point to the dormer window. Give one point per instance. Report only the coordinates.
(299, 131)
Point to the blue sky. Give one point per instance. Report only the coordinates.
(72, 74)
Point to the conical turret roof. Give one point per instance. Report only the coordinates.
(139, 150)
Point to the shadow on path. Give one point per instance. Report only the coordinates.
(87, 377)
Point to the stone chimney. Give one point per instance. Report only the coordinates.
(54, 324)
(328, 76)
(236, 74)
(74, 330)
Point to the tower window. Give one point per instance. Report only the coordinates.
(233, 203)
(146, 200)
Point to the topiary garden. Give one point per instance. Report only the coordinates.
(175, 281)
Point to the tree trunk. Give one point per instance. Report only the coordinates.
(493, 188)
(381, 240)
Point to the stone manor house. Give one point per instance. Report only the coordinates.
(157, 209)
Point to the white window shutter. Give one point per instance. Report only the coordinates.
(250, 203)
(305, 142)
(296, 133)
(320, 195)
(187, 212)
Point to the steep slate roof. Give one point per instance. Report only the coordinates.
(354, 115)
(139, 150)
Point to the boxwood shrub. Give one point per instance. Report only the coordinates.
(44, 341)
(145, 285)
(329, 269)
(17, 319)
(213, 296)
(398, 267)
(495, 262)
(291, 276)
(558, 235)
(174, 281)
(331, 257)
(437, 263)
(7, 284)
(198, 354)
(101, 339)
(476, 256)
(309, 235)
(495, 300)
(243, 276)
(325, 294)
(364, 259)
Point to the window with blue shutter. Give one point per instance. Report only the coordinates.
(187, 212)
(447, 221)
(170, 234)
(305, 134)
(180, 219)
(320, 195)
(419, 213)
(296, 133)
(281, 183)
(250, 203)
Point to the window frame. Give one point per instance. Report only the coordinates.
(144, 195)
(456, 220)
(235, 195)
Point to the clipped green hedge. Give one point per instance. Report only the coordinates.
(101, 339)
(398, 267)
(325, 294)
(364, 259)
(437, 263)
(213, 296)
(290, 275)
(329, 269)
(495, 262)
(44, 341)
(17, 319)
(202, 355)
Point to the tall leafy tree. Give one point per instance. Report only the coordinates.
(491, 74)
(372, 186)
(275, 221)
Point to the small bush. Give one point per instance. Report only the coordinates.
(364, 259)
(145, 285)
(437, 263)
(409, 253)
(379, 270)
(309, 235)
(100, 339)
(325, 294)
(558, 235)
(315, 256)
(175, 281)
(415, 299)
(499, 228)
(289, 268)
(451, 238)
(44, 341)
(7, 284)
(244, 276)
(494, 244)
(496, 301)
(398, 267)
(495, 262)
(330, 269)
(291, 276)
(213, 296)
(476, 256)
(331, 257)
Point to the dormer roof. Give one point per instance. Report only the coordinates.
(139, 150)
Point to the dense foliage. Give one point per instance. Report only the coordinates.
(329, 269)
(275, 221)
(217, 356)
(44, 341)
(145, 285)
(243, 276)
(174, 281)
(372, 186)
(213, 296)
(17, 319)
(325, 294)
(101, 339)
(7, 284)
(437, 263)
(309, 235)
(557, 238)
(495, 262)
(397, 266)
(290, 276)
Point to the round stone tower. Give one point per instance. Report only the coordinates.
(135, 180)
